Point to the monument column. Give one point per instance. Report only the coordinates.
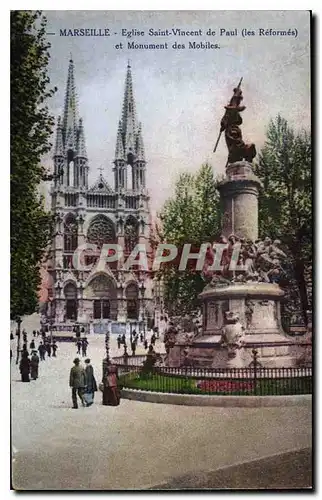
(239, 197)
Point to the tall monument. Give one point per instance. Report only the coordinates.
(241, 304)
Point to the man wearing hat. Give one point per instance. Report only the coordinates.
(77, 381)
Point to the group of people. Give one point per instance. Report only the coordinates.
(29, 363)
(29, 367)
(47, 347)
(83, 384)
(121, 340)
(81, 379)
(81, 345)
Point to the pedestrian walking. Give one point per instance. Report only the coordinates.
(24, 367)
(153, 339)
(79, 345)
(133, 348)
(48, 348)
(91, 386)
(145, 344)
(141, 338)
(77, 382)
(34, 333)
(119, 340)
(84, 346)
(38, 333)
(111, 392)
(32, 344)
(54, 347)
(123, 339)
(41, 350)
(11, 336)
(34, 365)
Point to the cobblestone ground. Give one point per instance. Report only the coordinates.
(135, 445)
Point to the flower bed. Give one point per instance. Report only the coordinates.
(229, 386)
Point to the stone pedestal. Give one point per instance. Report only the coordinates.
(239, 197)
(258, 308)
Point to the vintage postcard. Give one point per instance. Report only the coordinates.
(161, 250)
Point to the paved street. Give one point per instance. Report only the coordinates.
(136, 445)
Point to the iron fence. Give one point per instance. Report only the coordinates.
(256, 380)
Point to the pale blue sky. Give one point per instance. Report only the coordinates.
(180, 94)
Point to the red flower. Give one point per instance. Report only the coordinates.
(225, 385)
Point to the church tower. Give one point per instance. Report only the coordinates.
(129, 151)
(70, 157)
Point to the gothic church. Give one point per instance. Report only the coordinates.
(99, 214)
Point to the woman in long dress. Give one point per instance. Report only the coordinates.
(91, 386)
(24, 367)
(111, 392)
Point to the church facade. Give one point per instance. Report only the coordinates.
(99, 214)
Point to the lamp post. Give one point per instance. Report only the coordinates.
(107, 360)
(51, 319)
(19, 321)
(142, 290)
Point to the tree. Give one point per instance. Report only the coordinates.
(285, 204)
(192, 216)
(31, 128)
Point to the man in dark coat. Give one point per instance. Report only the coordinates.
(32, 344)
(48, 348)
(91, 385)
(77, 381)
(41, 350)
(79, 345)
(133, 347)
(84, 346)
(54, 347)
(34, 364)
(123, 338)
(119, 340)
(24, 367)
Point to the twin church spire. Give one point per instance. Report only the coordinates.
(70, 153)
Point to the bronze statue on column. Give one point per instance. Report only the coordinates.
(238, 150)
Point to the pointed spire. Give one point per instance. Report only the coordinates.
(129, 126)
(70, 111)
(81, 146)
(139, 145)
(119, 150)
(59, 146)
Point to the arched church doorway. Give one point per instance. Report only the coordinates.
(132, 301)
(70, 293)
(103, 293)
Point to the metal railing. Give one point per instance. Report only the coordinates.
(254, 380)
